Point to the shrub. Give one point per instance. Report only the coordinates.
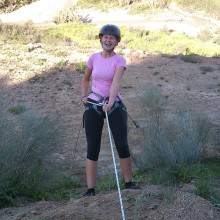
(170, 139)
(210, 6)
(140, 32)
(125, 2)
(154, 41)
(143, 5)
(67, 16)
(23, 33)
(215, 131)
(11, 5)
(216, 38)
(17, 109)
(108, 182)
(92, 36)
(165, 29)
(205, 34)
(204, 171)
(24, 147)
(206, 69)
(203, 189)
(41, 61)
(62, 63)
(65, 188)
(189, 58)
(81, 67)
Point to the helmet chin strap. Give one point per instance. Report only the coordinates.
(107, 51)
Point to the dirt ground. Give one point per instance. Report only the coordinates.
(181, 206)
(53, 90)
(57, 91)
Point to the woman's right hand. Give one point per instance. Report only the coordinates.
(84, 100)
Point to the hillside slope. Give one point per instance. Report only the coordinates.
(42, 12)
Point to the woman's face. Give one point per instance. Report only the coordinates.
(109, 41)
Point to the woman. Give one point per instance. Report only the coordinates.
(106, 68)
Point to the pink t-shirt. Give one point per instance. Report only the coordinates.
(103, 70)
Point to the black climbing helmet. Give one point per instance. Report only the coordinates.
(110, 29)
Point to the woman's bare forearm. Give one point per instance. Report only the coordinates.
(114, 92)
(85, 81)
(85, 87)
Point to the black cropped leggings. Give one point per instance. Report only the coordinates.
(94, 124)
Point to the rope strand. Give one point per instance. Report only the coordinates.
(113, 157)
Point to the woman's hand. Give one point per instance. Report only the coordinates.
(108, 106)
(84, 100)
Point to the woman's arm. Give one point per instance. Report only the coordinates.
(85, 84)
(115, 87)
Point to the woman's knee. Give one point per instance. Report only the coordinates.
(92, 155)
(123, 151)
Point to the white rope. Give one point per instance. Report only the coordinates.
(116, 173)
(113, 157)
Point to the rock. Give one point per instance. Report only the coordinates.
(32, 47)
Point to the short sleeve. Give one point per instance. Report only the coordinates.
(90, 62)
(121, 62)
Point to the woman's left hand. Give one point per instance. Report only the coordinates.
(108, 106)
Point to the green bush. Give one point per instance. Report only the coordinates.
(108, 182)
(206, 69)
(62, 63)
(216, 38)
(24, 148)
(205, 35)
(170, 139)
(67, 16)
(17, 109)
(11, 5)
(140, 32)
(143, 5)
(204, 171)
(189, 58)
(83, 36)
(103, 5)
(203, 189)
(92, 36)
(210, 6)
(81, 67)
(64, 188)
(24, 33)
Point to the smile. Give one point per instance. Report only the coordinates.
(108, 44)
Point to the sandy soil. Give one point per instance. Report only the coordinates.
(57, 91)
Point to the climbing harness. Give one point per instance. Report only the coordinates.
(116, 105)
(100, 112)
